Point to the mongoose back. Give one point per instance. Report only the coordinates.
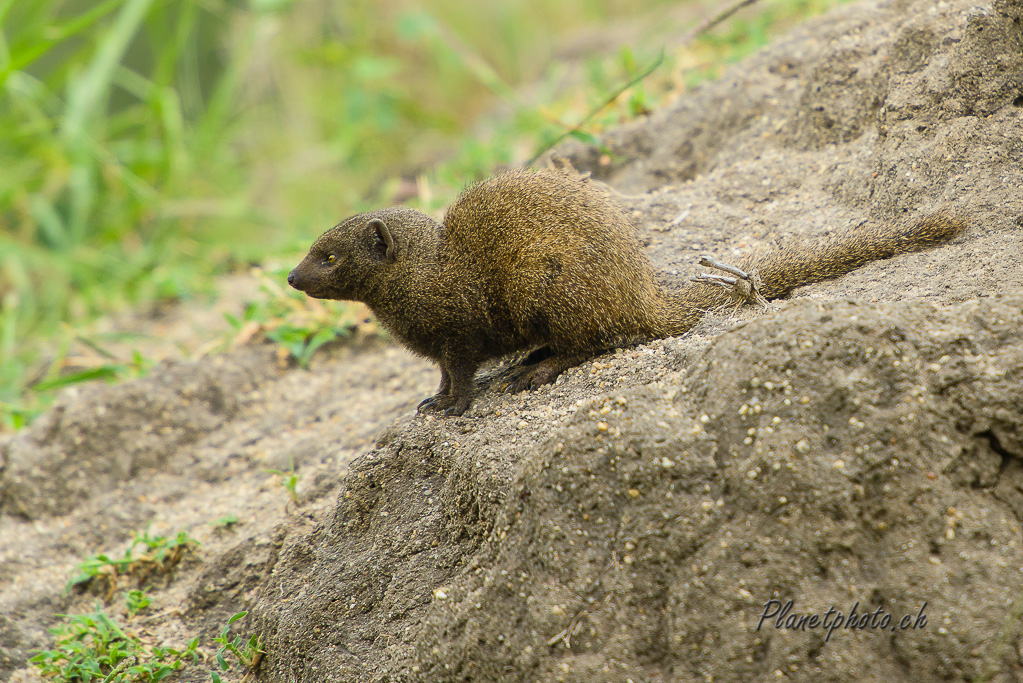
(547, 259)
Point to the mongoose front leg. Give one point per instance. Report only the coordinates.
(443, 390)
(744, 287)
(456, 387)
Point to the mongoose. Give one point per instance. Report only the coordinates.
(547, 259)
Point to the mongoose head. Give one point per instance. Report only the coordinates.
(356, 258)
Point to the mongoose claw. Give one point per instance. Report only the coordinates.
(437, 403)
(446, 404)
(427, 404)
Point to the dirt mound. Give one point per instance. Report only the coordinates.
(95, 439)
(851, 463)
(856, 450)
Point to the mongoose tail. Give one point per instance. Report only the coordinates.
(773, 272)
(785, 267)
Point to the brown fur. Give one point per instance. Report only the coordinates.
(544, 259)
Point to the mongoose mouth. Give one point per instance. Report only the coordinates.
(302, 284)
(295, 280)
(311, 286)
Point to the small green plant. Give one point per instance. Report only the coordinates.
(299, 324)
(99, 566)
(94, 647)
(226, 522)
(136, 600)
(302, 342)
(160, 554)
(248, 653)
(164, 550)
(289, 480)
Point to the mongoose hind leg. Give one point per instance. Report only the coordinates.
(545, 371)
(744, 288)
(536, 355)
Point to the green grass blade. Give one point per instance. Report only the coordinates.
(49, 221)
(24, 54)
(88, 94)
(108, 371)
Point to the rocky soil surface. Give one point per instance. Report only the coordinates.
(855, 448)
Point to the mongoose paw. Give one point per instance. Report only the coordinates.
(532, 377)
(446, 403)
(456, 410)
(744, 287)
(431, 403)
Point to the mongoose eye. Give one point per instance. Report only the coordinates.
(330, 258)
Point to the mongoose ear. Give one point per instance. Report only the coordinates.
(386, 239)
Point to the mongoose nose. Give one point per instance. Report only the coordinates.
(291, 278)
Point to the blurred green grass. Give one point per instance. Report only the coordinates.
(148, 146)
